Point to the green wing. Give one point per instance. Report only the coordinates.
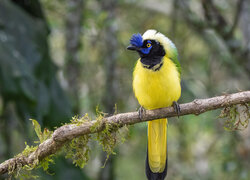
(173, 55)
(177, 63)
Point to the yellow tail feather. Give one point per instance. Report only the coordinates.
(157, 145)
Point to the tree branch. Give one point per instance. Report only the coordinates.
(67, 132)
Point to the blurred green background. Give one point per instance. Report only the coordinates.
(64, 57)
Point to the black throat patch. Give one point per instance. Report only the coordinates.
(155, 67)
(153, 59)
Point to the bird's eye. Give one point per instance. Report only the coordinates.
(148, 45)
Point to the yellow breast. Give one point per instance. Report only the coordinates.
(156, 89)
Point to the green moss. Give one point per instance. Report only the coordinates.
(236, 117)
(28, 150)
(110, 137)
(107, 138)
(80, 120)
(46, 134)
(78, 150)
(99, 117)
(23, 172)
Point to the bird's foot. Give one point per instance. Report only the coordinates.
(177, 108)
(141, 112)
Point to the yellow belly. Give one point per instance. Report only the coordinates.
(156, 89)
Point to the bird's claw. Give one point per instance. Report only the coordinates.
(177, 108)
(141, 111)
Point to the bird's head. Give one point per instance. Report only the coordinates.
(146, 47)
(151, 46)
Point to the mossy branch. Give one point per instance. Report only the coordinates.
(66, 133)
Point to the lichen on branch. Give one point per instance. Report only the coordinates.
(236, 117)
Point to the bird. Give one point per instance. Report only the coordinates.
(156, 84)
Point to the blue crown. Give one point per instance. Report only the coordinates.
(136, 40)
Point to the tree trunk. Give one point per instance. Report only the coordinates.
(109, 97)
(73, 34)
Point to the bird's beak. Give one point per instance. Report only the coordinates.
(133, 48)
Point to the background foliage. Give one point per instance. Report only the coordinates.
(64, 57)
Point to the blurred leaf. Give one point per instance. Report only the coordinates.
(41, 135)
(27, 73)
(37, 128)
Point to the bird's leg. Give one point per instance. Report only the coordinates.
(141, 111)
(177, 108)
